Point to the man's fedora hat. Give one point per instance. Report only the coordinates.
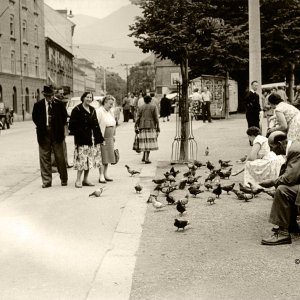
(48, 90)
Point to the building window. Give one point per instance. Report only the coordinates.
(24, 27)
(25, 64)
(12, 25)
(1, 98)
(36, 65)
(27, 106)
(13, 62)
(35, 6)
(36, 34)
(15, 100)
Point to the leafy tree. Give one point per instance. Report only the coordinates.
(141, 77)
(175, 30)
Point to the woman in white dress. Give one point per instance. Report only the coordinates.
(261, 162)
(107, 124)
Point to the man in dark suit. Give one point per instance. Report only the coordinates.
(252, 106)
(50, 116)
(287, 196)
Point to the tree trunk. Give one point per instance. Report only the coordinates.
(290, 92)
(227, 96)
(184, 145)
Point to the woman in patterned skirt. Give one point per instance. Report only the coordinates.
(84, 126)
(147, 125)
(107, 124)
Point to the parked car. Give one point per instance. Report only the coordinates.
(3, 116)
(74, 101)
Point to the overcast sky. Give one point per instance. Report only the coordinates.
(95, 8)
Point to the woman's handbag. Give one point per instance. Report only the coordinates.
(136, 145)
(117, 156)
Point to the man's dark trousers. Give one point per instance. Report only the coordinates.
(45, 148)
(206, 111)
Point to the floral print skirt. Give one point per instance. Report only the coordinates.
(87, 157)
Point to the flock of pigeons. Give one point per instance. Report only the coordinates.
(190, 181)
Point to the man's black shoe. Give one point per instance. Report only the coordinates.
(277, 239)
(46, 185)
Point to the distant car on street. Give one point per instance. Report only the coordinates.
(96, 103)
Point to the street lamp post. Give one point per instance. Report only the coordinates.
(254, 43)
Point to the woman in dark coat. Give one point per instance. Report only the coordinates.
(84, 126)
(147, 125)
(165, 108)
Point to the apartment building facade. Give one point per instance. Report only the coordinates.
(22, 54)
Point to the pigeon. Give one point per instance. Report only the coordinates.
(173, 172)
(194, 191)
(224, 164)
(181, 223)
(168, 189)
(224, 175)
(96, 193)
(159, 181)
(150, 198)
(182, 183)
(247, 197)
(196, 185)
(209, 165)
(138, 188)
(228, 188)
(239, 194)
(242, 160)
(211, 176)
(171, 178)
(208, 186)
(180, 207)
(170, 199)
(156, 204)
(185, 200)
(218, 190)
(132, 172)
(198, 163)
(192, 167)
(255, 191)
(206, 151)
(245, 189)
(211, 200)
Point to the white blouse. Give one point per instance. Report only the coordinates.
(105, 118)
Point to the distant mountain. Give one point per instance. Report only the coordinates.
(111, 31)
(100, 39)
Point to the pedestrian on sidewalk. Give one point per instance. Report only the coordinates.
(147, 125)
(107, 125)
(165, 108)
(252, 105)
(84, 126)
(126, 107)
(206, 100)
(50, 117)
(287, 196)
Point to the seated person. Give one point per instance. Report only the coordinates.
(287, 196)
(261, 162)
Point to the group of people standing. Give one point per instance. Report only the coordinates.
(201, 102)
(131, 104)
(93, 131)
